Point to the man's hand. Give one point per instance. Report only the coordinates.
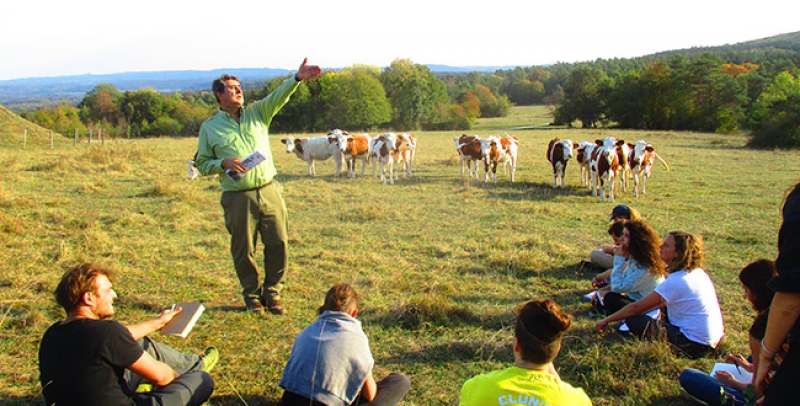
(167, 316)
(305, 72)
(233, 164)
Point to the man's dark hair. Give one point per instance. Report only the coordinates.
(219, 83)
(77, 281)
(539, 327)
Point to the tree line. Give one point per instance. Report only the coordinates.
(403, 97)
(733, 89)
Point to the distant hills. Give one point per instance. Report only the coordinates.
(30, 93)
(20, 94)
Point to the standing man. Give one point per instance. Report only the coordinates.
(89, 360)
(251, 200)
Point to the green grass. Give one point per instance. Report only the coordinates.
(441, 261)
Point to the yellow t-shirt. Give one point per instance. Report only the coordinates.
(520, 386)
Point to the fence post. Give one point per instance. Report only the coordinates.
(25, 139)
(75, 138)
(51, 139)
(89, 138)
(100, 134)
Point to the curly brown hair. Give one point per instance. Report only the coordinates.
(644, 246)
(690, 252)
(539, 328)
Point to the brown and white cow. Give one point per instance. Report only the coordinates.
(381, 151)
(559, 152)
(624, 152)
(584, 157)
(605, 167)
(357, 148)
(641, 163)
(406, 149)
(500, 151)
(318, 149)
(469, 151)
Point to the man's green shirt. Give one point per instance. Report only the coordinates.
(222, 137)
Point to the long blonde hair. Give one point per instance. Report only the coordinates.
(690, 251)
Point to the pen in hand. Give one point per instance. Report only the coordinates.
(173, 309)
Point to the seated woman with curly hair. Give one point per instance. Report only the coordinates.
(693, 322)
(637, 270)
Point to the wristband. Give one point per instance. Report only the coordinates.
(764, 349)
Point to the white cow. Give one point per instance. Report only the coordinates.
(584, 157)
(318, 149)
(406, 149)
(641, 163)
(381, 150)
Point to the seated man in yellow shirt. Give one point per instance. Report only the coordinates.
(533, 378)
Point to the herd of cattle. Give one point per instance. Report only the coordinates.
(601, 162)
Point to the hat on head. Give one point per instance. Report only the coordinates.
(620, 210)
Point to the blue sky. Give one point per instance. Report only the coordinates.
(58, 37)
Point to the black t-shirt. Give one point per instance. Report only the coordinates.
(788, 261)
(82, 363)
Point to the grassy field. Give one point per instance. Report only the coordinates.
(441, 261)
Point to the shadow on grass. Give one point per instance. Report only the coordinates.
(467, 351)
(6, 400)
(226, 400)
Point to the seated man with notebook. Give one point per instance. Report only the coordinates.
(88, 359)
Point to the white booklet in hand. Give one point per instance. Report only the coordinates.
(182, 324)
(249, 162)
(739, 373)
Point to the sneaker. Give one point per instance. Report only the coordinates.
(254, 306)
(275, 307)
(210, 357)
(144, 388)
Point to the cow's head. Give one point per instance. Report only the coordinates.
(567, 147)
(406, 142)
(339, 138)
(642, 153)
(289, 142)
(609, 149)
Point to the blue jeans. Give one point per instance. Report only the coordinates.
(704, 387)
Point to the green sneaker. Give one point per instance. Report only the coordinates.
(144, 388)
(210, 357)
